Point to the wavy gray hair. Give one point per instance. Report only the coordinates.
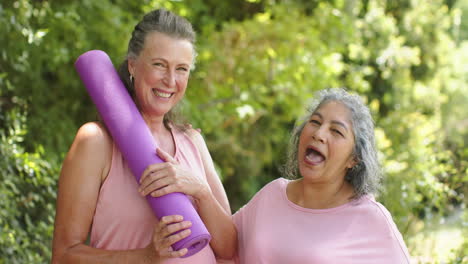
(366, 175)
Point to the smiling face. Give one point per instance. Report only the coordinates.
(326, 143)
(161, 73)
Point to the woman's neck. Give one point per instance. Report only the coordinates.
(319, 195)
(155, 124)
(161, 134)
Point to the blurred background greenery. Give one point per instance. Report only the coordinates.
(259, 63)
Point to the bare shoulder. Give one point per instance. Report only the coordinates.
(93, 132)
(94, 136)
(84, 169)
(92, 144)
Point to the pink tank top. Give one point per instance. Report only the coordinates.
(123, 218)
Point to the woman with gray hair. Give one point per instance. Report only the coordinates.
(325, 212)
(98, 195)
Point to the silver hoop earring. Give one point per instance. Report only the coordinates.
(131, 79)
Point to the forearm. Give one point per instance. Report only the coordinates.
(84, 254)
(219, 224)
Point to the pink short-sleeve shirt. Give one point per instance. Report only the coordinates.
(273, 230)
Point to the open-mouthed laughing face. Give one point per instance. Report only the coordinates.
(326, 144)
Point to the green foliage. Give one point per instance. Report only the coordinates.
(41, 41)
(260, 73)
(414, 86)
(27, 195)
(259, 64)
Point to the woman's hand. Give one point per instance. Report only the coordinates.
(162, 178)
(165, 234)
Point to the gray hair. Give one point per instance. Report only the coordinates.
(168, 23)
(365, 176)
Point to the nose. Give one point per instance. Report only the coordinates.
(169, 78)
(318, 135)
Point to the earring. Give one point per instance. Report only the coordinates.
(131, 79)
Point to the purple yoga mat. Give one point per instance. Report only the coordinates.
(134, 139)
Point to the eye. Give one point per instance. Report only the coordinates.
(159, 65)
(184, 69)
(315, 122)
(337, 132)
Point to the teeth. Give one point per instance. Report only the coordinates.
(161, 94)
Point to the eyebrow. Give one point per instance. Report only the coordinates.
(166, 61)
(336, 122)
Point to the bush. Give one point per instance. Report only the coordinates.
(27, 196)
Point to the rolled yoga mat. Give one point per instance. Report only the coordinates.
(134, 139)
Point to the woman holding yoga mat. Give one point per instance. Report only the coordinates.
(327, 214)
(99, 199)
